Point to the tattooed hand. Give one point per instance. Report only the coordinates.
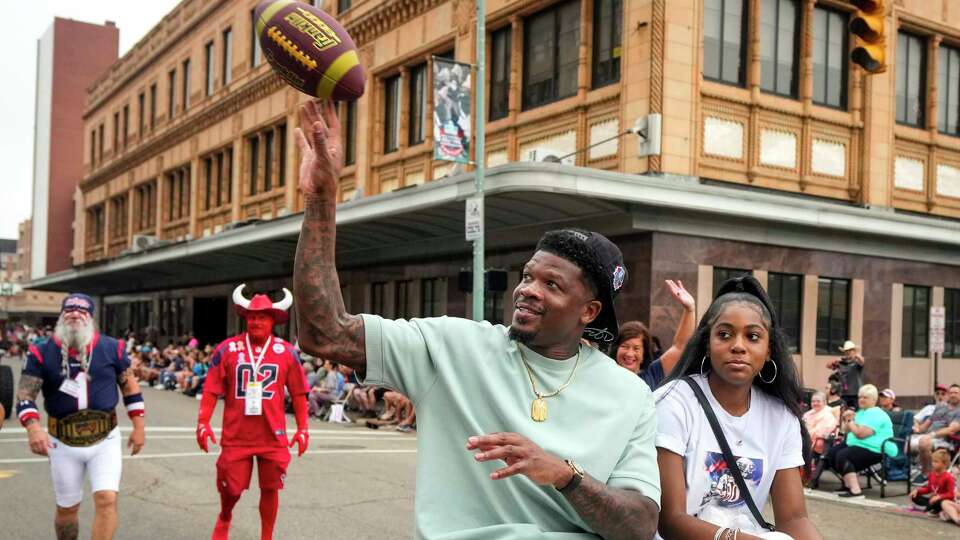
(319, 140)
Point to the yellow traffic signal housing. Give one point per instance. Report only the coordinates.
(867, 26)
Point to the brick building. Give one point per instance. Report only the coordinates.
(777, 156)
(64, 71)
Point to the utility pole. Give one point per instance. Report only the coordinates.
(479, 85)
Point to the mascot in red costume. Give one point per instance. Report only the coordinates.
(250, 371)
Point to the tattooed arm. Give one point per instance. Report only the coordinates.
(28, 390)
(326, 330)
(128, 383)
(130, 387)
(612, 512)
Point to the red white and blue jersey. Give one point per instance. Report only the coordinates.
(231, 368)
(106, 360)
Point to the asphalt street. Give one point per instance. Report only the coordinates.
(354, 483)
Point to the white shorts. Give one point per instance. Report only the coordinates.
(102, 461)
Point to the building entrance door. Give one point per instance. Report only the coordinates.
(210, 320)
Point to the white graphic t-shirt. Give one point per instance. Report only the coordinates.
(763, 441)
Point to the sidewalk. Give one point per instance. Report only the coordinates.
(896, 500)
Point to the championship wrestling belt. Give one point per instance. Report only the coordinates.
(83, 428)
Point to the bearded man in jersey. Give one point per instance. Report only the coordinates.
(79, 372)
(250, 371)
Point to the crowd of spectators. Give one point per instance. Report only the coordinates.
(850, 421)
(333, 384)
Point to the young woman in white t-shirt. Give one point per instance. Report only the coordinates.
(739, 359)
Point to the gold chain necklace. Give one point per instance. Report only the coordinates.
(538, 410)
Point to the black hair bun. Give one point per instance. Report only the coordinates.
(748, 285)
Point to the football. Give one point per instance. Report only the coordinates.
(309, 49)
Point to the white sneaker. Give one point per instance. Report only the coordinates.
(159, 387)
(199, 397)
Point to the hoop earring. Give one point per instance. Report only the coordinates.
(776, 372)
(702, 362)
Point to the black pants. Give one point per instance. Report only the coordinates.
(924, 501)
(847, 459)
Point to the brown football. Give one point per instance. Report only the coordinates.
(310, 50)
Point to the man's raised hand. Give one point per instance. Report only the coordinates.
(320, 147)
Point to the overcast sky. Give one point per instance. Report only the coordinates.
(18, 68)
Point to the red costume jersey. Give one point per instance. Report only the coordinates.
(231, 368)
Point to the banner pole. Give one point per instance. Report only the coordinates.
(479, 85)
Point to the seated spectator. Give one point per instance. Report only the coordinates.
(940, 485)
(131, 342)
(821, 423)
(888, 400)
(409, 422)
(865, 432)
(365, 398)
(195, 381)
(935, 432)
(939, 398)
(184, 375)
(310, 371)
(634, 348)
(391, 400)
(329, 391)
(834, 401)
(399, 409)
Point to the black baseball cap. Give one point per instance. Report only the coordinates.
(602, 261)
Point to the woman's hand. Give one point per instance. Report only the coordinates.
(681, 295)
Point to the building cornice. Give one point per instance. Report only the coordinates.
(167, 34)
(386, 17)
(187, 16)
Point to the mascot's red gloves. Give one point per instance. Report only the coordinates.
(302, 438)
(204, 431)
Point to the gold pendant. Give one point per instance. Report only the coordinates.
(538, 411)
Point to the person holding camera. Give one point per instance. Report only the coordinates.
(848, 372)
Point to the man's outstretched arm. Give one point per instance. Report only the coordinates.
(326, 330)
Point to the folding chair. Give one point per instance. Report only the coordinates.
(902, 428)
(336, 413)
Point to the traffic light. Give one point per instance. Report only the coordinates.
(867, 26)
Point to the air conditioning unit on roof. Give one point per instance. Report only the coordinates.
(549, 155)
(142, 242)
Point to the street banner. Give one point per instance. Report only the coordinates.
(451, 110)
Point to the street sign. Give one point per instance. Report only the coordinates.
(938, 320)
(473, 221)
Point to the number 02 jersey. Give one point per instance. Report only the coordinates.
(231, 368)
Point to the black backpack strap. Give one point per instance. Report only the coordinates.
(727, 454)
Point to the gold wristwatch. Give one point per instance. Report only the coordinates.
(575, 479)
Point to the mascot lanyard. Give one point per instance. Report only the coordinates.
(253, 400)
